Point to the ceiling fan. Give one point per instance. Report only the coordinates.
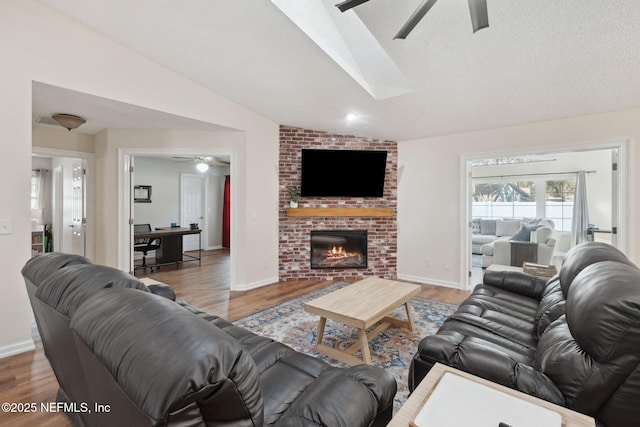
(204, 162)
(477, 8)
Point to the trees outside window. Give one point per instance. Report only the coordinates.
(519, 199)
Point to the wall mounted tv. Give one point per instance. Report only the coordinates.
(343, 173)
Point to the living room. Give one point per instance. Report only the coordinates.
(430, 166)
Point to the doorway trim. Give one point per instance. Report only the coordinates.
(125, 156)
(622, 220)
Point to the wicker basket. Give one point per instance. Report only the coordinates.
(540, 270)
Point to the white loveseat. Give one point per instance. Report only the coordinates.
(498, 251)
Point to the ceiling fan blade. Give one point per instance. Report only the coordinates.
(479, 14)
(348, 4)
(414, 19)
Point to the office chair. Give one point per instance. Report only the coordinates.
(145, 244)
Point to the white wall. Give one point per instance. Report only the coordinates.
(30, 36)
(430, 202)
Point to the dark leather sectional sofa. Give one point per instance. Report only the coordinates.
(124, 356)
(573, 340)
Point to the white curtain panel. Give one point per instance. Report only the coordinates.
(580, 211)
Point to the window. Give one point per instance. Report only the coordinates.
(514, 199)
(519, 199)
(558, 202)
(35, 189)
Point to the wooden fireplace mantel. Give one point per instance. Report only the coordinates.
(372, 212)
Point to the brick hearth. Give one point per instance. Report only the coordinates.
(294, 255)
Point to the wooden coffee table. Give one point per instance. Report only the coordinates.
(362, 305)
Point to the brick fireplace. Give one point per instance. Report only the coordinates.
(295, 254)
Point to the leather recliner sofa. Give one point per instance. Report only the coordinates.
(573, 340)
(124, 356)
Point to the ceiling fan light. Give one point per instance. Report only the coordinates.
(202, 167)
(68, 121)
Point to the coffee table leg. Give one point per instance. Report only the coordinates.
(321, 325)
(364, 346)
(409, 317)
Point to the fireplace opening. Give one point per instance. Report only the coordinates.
(339, 249)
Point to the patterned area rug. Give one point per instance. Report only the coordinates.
(391, 350)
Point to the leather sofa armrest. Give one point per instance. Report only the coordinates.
(516, 282)
(481, 359)
(502, 252)
(330, 399)
(162, 290)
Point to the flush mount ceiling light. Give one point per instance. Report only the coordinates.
(351, 117)
(68, 121)
(202, 167)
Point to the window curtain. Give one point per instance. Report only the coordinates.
(226, 213)
(580, 223)
(40, 192)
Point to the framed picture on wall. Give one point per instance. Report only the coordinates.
(142, 194)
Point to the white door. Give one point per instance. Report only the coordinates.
(58, 217)
(69, 206)
(192, 204)
(78, 208)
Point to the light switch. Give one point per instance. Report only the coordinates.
(6, 226)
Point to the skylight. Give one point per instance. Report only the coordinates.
(345, 38)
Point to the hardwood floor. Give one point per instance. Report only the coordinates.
(28, 378)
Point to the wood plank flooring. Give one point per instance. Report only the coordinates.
(28, 378)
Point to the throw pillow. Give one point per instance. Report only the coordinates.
(524, 233)
(507, 227)
(475, 226)
(543, 234)
(487, 226)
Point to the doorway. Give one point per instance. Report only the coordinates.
(541, 178)
(192, 207)
(181, 195)
(65, 211)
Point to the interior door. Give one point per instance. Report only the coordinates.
(192, 207)
(69, 206)
(78, 207)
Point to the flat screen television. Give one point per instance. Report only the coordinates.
(343, 173)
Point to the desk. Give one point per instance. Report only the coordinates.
(171, 247)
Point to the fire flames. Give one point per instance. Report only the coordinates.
(337, 252)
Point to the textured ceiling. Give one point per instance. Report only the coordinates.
(538, 60)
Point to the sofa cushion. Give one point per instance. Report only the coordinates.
(582, 256)
(506, 227)
(524, 233)
(488, 226)
(40, 267)
(68, 288)
(543, 234)
(169, 376)
(475, 226)
(551, 307)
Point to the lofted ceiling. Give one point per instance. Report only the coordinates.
(538, 60)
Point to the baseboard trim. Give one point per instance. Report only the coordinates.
(20, 347)
(254, 285)
(428, 281)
